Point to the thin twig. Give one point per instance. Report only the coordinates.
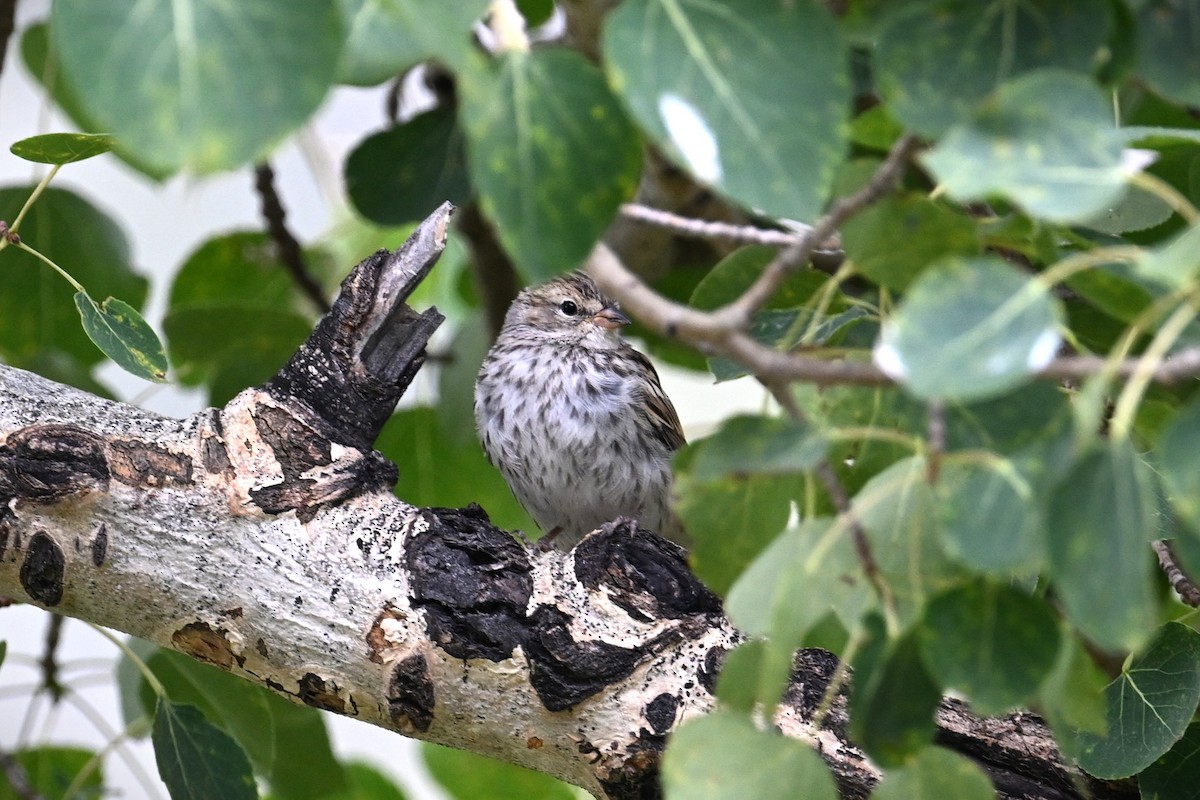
(49, 660)
(841, 499)
(18, 779)
(937, 440)
(495, 274)
(710, 229)
(795, 256)
(1188, 591)
(290, 254)
(715, 335)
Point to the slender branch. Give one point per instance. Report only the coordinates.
(713, 334)
(290, 253)
(49, 660)
(709, 229)
(797, 255)
(495, 274)
(937, 439)
(841, 500)
(1188, 591)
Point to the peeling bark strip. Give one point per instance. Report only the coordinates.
(46, 463)
(410, 695)
(200, 641)
(315, 473)
(43, 572)
(314, 693)
(143, 464)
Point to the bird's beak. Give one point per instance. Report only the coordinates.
(610, 319)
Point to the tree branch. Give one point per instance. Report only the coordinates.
(1187, 589)
(263, 538)
(290, 253)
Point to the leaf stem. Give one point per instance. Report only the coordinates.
(1131, 396)
(150, 677)
(33, 196)
(1168, 194)
(57, 268)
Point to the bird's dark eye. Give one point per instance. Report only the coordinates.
(568, 307)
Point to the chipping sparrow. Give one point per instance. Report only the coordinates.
(574, 417)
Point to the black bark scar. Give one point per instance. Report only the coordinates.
(410, 694)
(299, 447)
(46, 463)
(43, 572)
(473, 583)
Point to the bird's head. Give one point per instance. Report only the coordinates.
(569, 309)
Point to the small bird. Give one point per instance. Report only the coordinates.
(574, 417)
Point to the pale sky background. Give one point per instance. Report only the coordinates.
(165, 223)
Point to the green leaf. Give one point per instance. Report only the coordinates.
(404, 173)
(468, 776)
(723, 756)
(988, 518)
(121, 334)
(42, 59)
(1138, 210)
(1176, 263)
(1168, 53)
(748, 444)
(1177, 448)
(938, 59)
(51, 770)
(995, 643)
(551, 154)
(970, 329)
(287, 744)
(62, 148)
(3, 651)
(935, 774)
(386, 37)
(196, 760)
(736, 272)
(207, 99)
(37, 306)
(898, 510)
(1175, 774)
(1149, 706)
(1045, 141)
(738, 684)
(536, 12)
(1072, 697)
(439, 469)
(204, 351)
(784, 329)
(233, 283)
(892, 241)
(808, 571)
(719, 89)
(1112, 289)
(894, 697)
(368, 783)
(1101, 515)
(730, 520)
